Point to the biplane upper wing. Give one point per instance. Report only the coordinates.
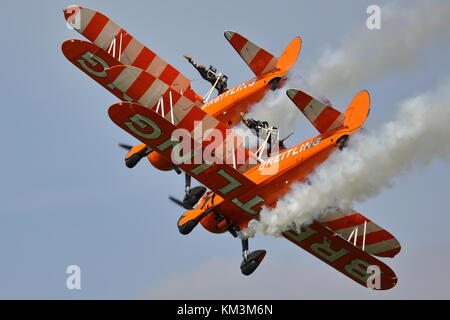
(342, 255)
(122, 46)
(364, 233)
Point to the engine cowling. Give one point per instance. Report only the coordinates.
(159, 162)
(211, 223)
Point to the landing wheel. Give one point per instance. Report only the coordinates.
(251, 260)
(194, 195)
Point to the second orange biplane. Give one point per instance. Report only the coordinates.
(158, 107)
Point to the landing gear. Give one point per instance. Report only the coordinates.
(251, 260)
(191, 196)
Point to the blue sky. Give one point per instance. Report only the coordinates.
(67, 198)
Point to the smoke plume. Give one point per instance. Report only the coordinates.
(369, 164)
(364, 55)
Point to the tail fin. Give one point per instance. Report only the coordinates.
(258, 59)
(325, 118)
(290, 54)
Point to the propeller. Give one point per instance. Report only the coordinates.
(191, 197)
(133, 160)
(125, 146)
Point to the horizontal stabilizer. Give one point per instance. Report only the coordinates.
(258, 59)
(323, 117)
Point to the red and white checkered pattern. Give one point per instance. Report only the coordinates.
(378, 241)
(258, 59)
(147, 90)
(119, 43)
(322, 116)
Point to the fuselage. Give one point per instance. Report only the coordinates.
(228, 106)
(274, 178)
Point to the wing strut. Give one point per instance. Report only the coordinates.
(209, 93)
(354, 235)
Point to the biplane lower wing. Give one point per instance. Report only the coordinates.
(122, 46)
(363, 233)
(181, 111)
(156, 132)
(343, 256)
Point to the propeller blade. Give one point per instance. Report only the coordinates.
(181, 203)
(125, 146)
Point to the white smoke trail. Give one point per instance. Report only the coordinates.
(363, 55)
(407, 32)
(277, 108)
(251, 141)
(420, 133)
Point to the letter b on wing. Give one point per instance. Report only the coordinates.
(374, 280)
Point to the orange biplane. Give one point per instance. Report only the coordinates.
(181, 131)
